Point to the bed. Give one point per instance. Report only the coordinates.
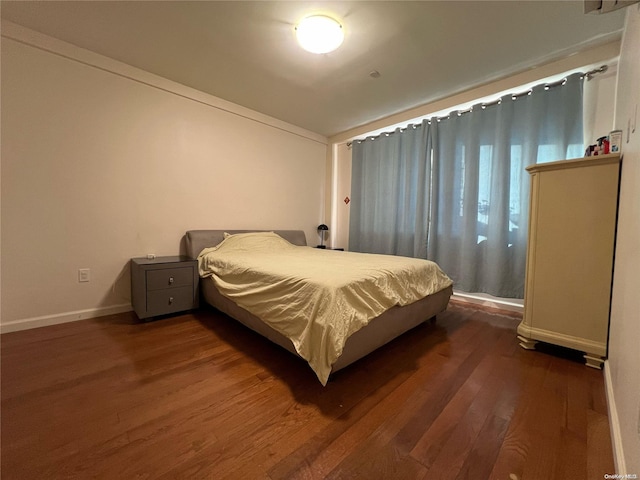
(231, 262)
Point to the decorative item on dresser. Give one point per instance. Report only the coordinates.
(572, 227)
(163, 285)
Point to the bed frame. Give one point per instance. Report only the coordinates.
(379, 331)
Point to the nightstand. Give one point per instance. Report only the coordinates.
(163, 285)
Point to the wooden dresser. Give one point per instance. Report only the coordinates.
(572, 227)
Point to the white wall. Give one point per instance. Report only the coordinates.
(341, 189)
(102, 162)
(599, 105)
(595, 57)
(624, 336)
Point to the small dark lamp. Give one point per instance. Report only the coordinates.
(321, 229)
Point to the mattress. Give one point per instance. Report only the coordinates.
(380, 330)
(315, 298)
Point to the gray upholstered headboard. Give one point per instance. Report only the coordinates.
(197, 240)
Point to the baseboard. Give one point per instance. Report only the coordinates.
(489, 301)
(614, 423)
(44, 321)
(35, 322)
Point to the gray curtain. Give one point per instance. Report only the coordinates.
(455, 191)
(390, 192)
(480, 192)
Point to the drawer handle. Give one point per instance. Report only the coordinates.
(170, 280)
(170, 300)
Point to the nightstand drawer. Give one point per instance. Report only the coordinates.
(169, 300)
(169, 278)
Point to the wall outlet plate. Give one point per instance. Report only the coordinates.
(84, 275)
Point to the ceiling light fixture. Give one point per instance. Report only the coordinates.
(319, 34)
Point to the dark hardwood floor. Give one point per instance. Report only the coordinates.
(199, 396)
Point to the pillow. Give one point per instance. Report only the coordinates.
(227, 234)
(254, 241)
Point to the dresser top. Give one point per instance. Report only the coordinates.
(575, 163)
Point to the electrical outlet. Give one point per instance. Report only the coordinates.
(84, 275)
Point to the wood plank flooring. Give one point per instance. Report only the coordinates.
(200, 396)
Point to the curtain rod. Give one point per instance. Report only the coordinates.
(595, 71)
(514, 96)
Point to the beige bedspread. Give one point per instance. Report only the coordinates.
(316, 298)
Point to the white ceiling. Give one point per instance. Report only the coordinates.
(245, 52)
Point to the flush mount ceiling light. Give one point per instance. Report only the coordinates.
(319, 34)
